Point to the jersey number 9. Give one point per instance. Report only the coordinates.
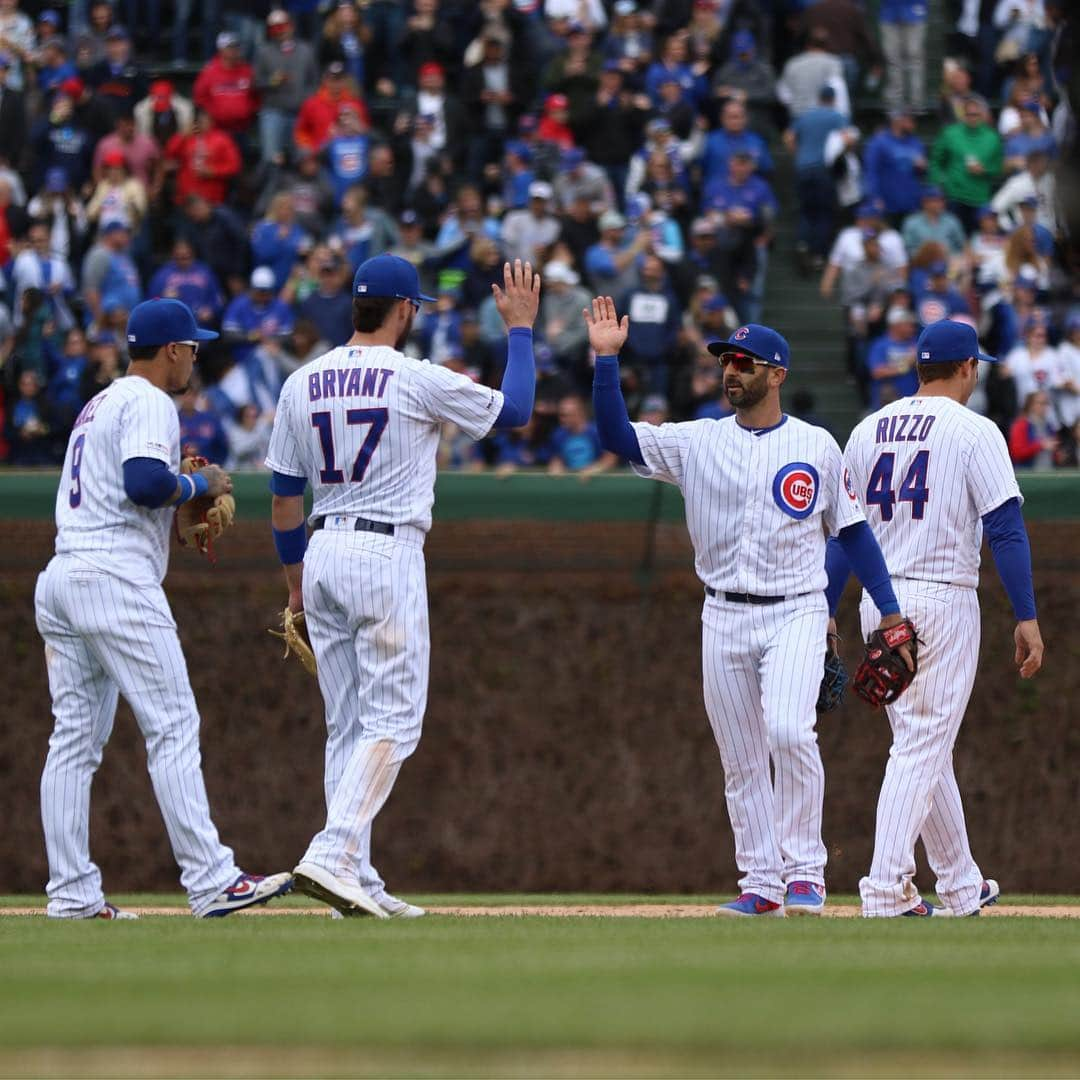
(913, 489)
(75, 494)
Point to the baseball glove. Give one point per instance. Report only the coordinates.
(200, 521)
(294, 633)
(834, 681)
(883, 676)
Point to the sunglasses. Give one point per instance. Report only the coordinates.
(741, 362)
(194, 345)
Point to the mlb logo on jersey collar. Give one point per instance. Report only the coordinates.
(795, 489)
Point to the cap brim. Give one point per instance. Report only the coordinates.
(427, 299)
(988, 359)
(206, 335)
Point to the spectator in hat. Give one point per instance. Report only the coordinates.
(677, 110)
(117, 79)
(284, 77)
(732, 135)
(447, 115)
(429, 37)
(320, 111)
(278, 241)
(64, 392)
(253, 317)
(559, 323)
(895, 165)
(986, 253)
(110, 279)
(902, 25)
(939, 299)
(1035, 182)
(47, 28)
(164, 112)
(554, 126)
(345, 39)
(329, 306)
(747, 77)
(610, 264)
(814, 182)
(575, 70)
(13, 119)
(629, 42)
(141, 153)
(60, 140)
(806, 73)
(438, 327)
(580, 178)
(673, 63)
(1033, 435)
(655, 321)
(53, 66)
(966, 163)
(933, 223)
(611, 124)
(117, 196)
(205, 161)
(1032, 134)
(890, 360)
(184, 278)
(58, 206)
(517, 174)
(412, 246)
(527, 234)
(225, 88)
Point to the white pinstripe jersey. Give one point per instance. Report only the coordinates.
(758, 505)
(94, 517)
(927, 469)
(361, 425)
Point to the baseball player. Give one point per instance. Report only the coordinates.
(934, 478)
(760, 490)
(361, 424)
(108, 629)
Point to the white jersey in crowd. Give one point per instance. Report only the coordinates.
(927, 469)
(361, 424)
(758, 502)
(95, 519)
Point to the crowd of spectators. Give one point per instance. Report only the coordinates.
(245, 157)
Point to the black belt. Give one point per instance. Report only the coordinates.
(745, 597)
(362, 525)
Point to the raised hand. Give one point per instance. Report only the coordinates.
(607, 335)
(519, 299)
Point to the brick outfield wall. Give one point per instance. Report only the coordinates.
(566, 745)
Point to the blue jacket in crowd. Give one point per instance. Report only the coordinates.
(891, 173)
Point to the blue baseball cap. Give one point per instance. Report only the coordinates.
(160, 322)
(742, 41)
(947, 341)
(389, 275)
(758, 342)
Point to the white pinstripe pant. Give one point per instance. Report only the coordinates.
(762, 667)
(919, 794)
(365, 599)
(105, 637)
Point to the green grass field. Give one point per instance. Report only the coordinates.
(520, 996)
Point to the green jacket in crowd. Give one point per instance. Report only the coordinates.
(949, 163)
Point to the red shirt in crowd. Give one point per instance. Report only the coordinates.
(1025, 445)
(228, 94)
(207, 161)
(319, 113)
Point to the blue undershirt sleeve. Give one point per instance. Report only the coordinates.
(612, 420)
(1008, 540)
(866, 560)
(284, 484)
(839, 570)
(148, 482)
(519, 380)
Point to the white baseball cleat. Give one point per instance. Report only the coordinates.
(397, 909)
(350, 900)
(111, 911)
(246, 891)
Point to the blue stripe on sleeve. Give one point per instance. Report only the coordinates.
(284, 484)
(865, 558)
(148, 482)
(612, 419)
(519, 380)
(1008, 540)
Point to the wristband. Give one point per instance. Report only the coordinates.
(196, 485)
(291, 544)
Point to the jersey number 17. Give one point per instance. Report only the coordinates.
(913, 489)
(322, 422)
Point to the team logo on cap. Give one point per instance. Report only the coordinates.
(741, 333)
(795, 489)
(850, 487)
(361, 288)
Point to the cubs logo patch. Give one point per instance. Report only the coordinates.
(741, 333)
(849, 487)
(795, 489)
